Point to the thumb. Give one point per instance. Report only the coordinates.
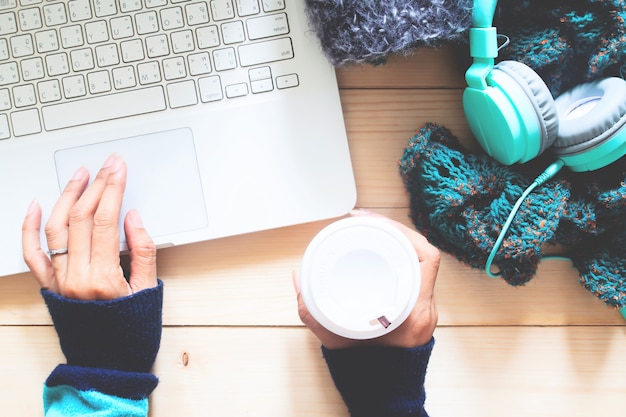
(303, 312)
(305, 315)
(142, 253)
(35, 258)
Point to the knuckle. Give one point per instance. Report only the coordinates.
(431, 254)
(147, 252)
(431, 250)
(72, 291)
(100, 291)
(104, 219)
(52, 230)
(78, 214)
(81, 289)
(435, 256)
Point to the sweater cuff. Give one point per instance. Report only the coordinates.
(129, 385)
(381, 381)
(122, 334)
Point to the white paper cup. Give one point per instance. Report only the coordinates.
(360, 277)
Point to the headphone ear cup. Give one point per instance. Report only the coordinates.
(592, 117)
(514, 118)
(540, 97)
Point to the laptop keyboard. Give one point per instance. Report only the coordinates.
(69, 63)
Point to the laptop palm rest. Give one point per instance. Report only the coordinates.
(163, 181)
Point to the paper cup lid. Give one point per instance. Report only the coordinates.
(360, 277)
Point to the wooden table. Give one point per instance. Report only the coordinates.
(233, 344)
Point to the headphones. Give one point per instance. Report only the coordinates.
(514, 117)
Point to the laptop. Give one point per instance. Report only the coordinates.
(225, 111)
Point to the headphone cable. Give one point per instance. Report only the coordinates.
(548, 173)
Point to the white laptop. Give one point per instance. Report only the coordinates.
(226, 112)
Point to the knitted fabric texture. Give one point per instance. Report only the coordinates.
(121, 334)
(565, 42)
(460, 202)
(367, 31)
(380, 380)
(131, 385)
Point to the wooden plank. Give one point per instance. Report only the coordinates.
(381, 122)
(244, 371)
(425, 68)
(28, 355)
(526, 371)
(267, 371)
(553, 297)
(246, 280)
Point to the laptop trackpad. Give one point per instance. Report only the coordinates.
(163, 181)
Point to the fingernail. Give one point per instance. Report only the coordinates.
(135, 218)
(113, 163)
(360, 212)
(79, 174)
(32, 207)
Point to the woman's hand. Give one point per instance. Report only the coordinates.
(85, 222)
(418, 328)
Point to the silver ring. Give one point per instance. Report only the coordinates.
(61, 251)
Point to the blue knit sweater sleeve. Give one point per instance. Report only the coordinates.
(381, 381)
(110, 347)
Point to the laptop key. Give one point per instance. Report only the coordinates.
(182, 94)
(264, 52)
(4, 127)
(25, 122)
(108, 107)
(267, 26)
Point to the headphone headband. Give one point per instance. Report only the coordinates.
(483, 12)
(483, 43)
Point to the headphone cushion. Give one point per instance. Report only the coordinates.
(539, 96)
(581, 129)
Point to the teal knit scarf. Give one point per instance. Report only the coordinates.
(461, 200)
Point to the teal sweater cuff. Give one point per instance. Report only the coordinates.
(381, 381)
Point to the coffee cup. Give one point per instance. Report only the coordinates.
(360, 277)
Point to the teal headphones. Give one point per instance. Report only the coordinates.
(513, 116)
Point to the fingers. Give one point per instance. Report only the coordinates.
(303, 311)
(57, 227)
(143, 266)
(295, 280)
(94, 217)
(37, 261)
(429, 256)
(85, 220)
(105, 233)
(325, 336)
